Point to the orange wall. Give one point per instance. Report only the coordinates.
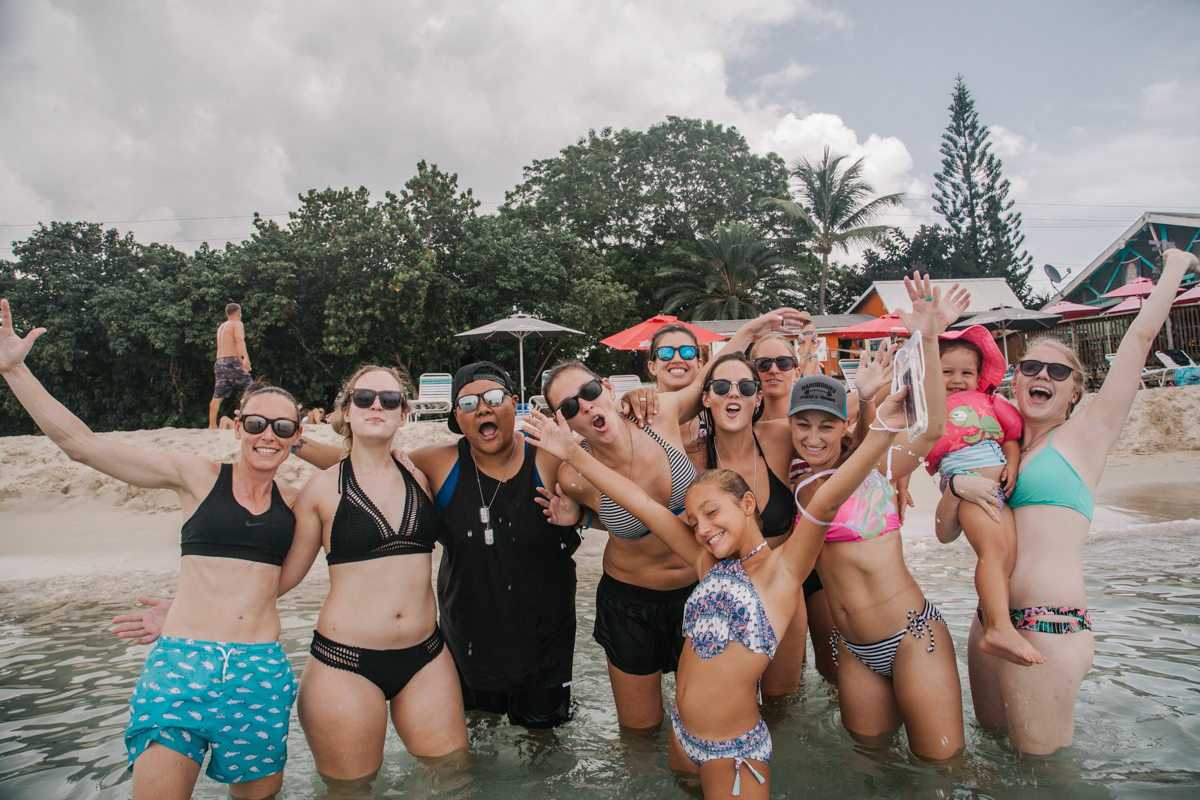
(873, 305)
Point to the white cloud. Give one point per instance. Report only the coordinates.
(787, 77)
(1006, 143)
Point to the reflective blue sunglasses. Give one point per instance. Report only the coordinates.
(687, 353)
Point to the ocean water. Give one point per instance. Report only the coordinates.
(65, 684)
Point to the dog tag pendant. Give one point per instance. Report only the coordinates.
(487, 536)
(484, 515)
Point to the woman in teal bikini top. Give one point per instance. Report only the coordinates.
(1049, 480)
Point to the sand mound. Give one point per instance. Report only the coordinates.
(36, 476)
(1161, 421)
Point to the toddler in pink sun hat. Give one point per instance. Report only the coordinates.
(983, 434)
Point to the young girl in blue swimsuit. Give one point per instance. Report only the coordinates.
(743, 605)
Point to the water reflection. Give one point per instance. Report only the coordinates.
(65, 685)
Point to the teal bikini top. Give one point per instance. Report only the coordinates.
(1049, 480)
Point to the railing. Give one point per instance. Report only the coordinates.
(1094, 337)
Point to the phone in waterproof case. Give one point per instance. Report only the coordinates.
(909, 371)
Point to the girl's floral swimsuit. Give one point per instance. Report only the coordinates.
(726, 607)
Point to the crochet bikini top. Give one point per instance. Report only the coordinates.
(361, 532)
(726, 607)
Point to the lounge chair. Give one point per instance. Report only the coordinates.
(1173, 360)
(849, 368)
(1159, 375)
(433, 395)
(624, 383)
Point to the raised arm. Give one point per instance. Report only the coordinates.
(186, 474)
(555, 438)
(1105, 416)
(799, 552)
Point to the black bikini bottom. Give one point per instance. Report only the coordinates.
(390, 670)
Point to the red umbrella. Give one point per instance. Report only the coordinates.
(1125, 306)
(1069, 310)
(887, 325)
(1138, 287)
(1192, 295)
(638, 337)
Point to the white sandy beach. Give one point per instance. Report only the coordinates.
(66, 529)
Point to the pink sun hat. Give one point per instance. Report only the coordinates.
(992, 371)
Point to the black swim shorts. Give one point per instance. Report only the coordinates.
(231, 377)
(548, 707)
(641, 630)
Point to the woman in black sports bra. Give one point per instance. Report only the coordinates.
(377, 648)
(236, 558)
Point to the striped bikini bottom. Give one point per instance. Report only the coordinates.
(881, 656)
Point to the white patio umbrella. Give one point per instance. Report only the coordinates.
(519, 327)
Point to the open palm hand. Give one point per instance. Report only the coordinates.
(13, 348)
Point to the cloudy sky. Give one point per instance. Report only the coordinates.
(178, 120)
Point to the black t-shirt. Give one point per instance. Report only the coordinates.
(507, 608)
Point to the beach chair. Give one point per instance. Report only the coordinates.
(1159, 375)
(538, 401)
(624, 383)
(1175, 362)
(849, 368)
(433, 395)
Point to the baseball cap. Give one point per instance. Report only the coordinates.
(479, 371)
(820, 393)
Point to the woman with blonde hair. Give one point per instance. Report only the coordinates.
(1062, 459)
(377, 650)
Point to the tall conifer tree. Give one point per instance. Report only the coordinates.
(972, 195)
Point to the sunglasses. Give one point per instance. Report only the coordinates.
(467, 403)
(747, 388)
(589, 391)
(365, 398)
(1032, 367)
(283, 427)
(687, 353)
(783, 362)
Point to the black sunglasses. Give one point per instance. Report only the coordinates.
(589, 391)
(283, 427)
(365, 398)
(1032, 367)
(467, 403)
(747, 387)
(687, 353)
(783, 362)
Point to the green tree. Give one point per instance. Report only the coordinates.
(734, 275)
(972, 195)
(833, 209)
(635, 197)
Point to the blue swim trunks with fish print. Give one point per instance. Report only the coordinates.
(235, 698)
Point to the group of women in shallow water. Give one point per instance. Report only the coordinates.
(746, 501)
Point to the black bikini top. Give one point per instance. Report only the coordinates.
(779, 514)
(361, 532)
(224, 528)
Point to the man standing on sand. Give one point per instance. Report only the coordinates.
(232, 368)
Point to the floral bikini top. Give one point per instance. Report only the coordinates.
(726, 607)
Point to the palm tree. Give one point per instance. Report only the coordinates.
(735, 276)
(833, 210)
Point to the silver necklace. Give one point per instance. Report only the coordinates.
(1038, 438)
(485, 510)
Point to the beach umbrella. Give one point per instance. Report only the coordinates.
(1069, 310)
(1138, 287)
(878, 328)
(1127, 305)
(1009, 318)
(638, 337)
(1192, 295)
(519, 327)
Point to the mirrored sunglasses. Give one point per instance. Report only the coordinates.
(687, 353)
(467, 403)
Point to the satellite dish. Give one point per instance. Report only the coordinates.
(1052, 274)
